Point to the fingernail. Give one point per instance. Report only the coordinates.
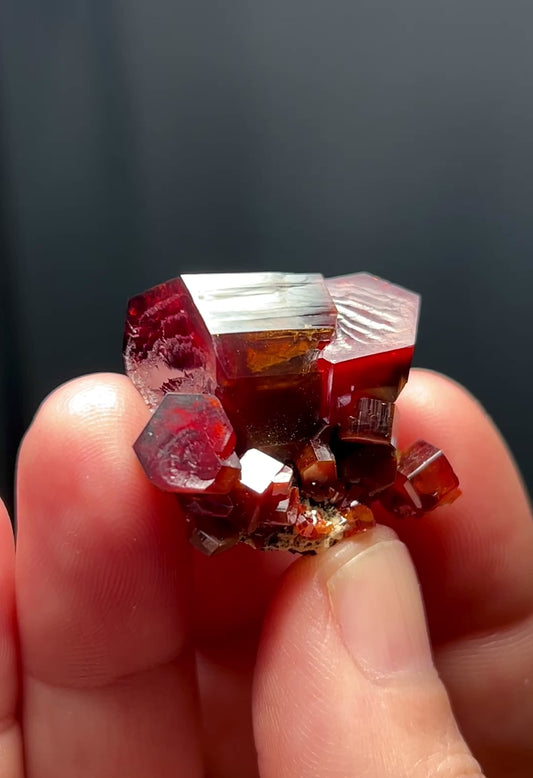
(376, 602)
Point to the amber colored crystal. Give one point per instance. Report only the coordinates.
(282, 483)
(285, 512)
(358, 515)
(274, 406)
(425, 480)
(316, 464)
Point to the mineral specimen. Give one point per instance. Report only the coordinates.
(273, 398)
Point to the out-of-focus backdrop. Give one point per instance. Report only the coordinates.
(142, 139)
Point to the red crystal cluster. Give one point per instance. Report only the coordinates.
(273, 398)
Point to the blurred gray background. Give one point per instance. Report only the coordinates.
(139, 140)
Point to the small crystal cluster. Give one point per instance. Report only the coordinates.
(273, 398)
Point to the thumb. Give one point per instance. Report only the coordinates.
(345, 683)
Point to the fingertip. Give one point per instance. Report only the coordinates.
(98, 546)
(81, 404)
(78, 445)
(345, 681)
(103, 589)
(482, 544)
(8, 661)
(438, 402)
(7, 541)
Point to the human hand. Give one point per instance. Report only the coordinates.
(113, 608)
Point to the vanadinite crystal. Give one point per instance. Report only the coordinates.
(273, 406)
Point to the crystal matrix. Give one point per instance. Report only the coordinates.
(273, 398)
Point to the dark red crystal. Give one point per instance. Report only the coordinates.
(167, 347)
(316, 466)
(255, 492)
(274, 397)
(373, 348)
(272, 413)
(187, 446)
(370, 467)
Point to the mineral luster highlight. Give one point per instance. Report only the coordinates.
(273, 399)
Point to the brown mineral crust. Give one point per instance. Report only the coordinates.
(266, 537)
(371, 422)
(425, 480)
(166, 344)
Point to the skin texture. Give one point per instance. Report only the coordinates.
(132, 655)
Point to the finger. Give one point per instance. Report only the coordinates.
(10, 740)
(345, 683)
(464, 554)
(474, 557)
(475, 562)
(103, 584)
(231, 595)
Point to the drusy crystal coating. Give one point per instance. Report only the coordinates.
(273, 406)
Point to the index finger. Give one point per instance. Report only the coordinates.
(475, 557)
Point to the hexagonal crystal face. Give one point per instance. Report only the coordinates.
(261, 302)
(264, 323)
(187, 446)
(374, 316)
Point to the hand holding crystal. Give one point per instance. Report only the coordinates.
(133, 655)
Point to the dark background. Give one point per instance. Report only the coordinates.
(142, 139)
